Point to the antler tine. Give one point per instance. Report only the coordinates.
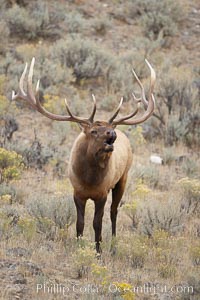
(78, 119)
(138, 100)
(37, 86)
(131, 115)
(31, 98)
(143, 98)
(117, 111)
(91, 118)
(34, 101)
(21, 81)
(68, 110)
(20, 94)
(153, 76)
(135, 98)
(149, 105)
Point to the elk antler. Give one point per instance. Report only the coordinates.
(35, 103)
(149, 105)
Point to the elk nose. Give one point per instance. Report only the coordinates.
(111, 134)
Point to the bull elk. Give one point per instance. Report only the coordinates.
(101, 155)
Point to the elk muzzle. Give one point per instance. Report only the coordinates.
(110, 139)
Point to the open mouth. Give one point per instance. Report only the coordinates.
(109, 144)
(110, 141)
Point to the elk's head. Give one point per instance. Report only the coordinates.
(100, 135)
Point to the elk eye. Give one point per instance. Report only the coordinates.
(93, 132)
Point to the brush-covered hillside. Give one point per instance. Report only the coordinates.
(85, 47)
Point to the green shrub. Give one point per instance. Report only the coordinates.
(52, 103)
(100, 25)
(131, 211)
(27, 226)
(178, 106)
(74, 22)
(7, 190)
(160, 16)
(108, 102)
(4, 103)
(32, 23)
(100, 273)
(84, 258)
(154, 22)
(138, 252)
(4, 35)
(12, 68)
(195, 253)
(124, 290)
(191, 194)
(36, 155)
(8, 220)
(167, 270)
(8, 123)
(10, 165)
(169, 155)
(190, 167)
(150, 175)
(83, 56)
(7, 194)
(167, 215)
(134, 249)
(51, 75)
(52, 213)
(119, 78)
(140, 193)
(20, 22)
(9, 126)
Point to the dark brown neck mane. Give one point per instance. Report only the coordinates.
(90, 167)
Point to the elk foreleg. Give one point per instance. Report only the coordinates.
(117, 194)
(97, 223)
(80, 208)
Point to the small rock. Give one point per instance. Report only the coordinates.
(155, 159)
